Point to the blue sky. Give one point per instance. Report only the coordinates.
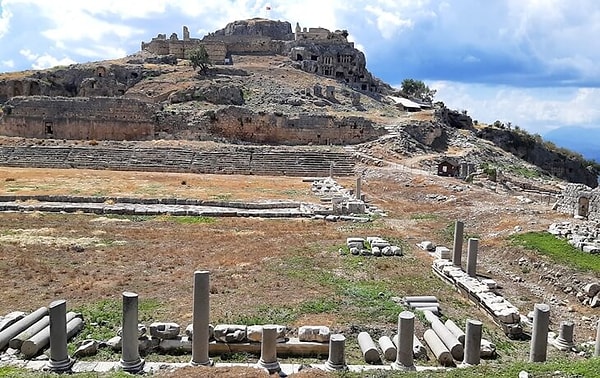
(530, 62)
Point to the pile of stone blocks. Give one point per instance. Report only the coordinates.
(372, 246)
(590, 295)
(483, 291)
(583, 236)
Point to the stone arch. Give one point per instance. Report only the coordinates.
(583, 206)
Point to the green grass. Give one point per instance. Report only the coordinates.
(190, 219)
(558, 250)
(13, 372)
(424, 216)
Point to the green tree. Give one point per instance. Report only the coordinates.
(417, 89)
(199, 59)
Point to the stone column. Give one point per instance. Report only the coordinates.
(268, 349)
(458, 243)
(597, 349)
(358, 184)
(337, 353)
(331, 169)
(472, 342)
(130, 359)
(564, 341)
(539, 333)
(406, 332)
(472, 257)
(368, 348)
(201, 319)
(59, 356)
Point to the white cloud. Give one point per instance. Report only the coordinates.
(45, 61)
(8, 63)
(5, 16)
(388, 23)
(535, 109)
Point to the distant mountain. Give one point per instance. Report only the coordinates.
(586, 141)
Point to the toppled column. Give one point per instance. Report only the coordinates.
(456, 331)
(130, 359)
(438, 348)
(358, 187)
(449, 340)
(473, 342)
(36, 327)
(368, 348)
(268, 349)
(200, 320)
(40, 340)
(8, 333)
(388, 348)
(59, 355)
(597, 348)
(406, 333)
(564, 341)
(458, 243)
(472, 257)
(337, 353)
(539, 333)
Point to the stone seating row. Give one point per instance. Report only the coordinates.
(293, 162)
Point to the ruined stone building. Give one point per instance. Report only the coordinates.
(82, 118)
(580, 200)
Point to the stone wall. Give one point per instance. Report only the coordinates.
(244, 125)
(84, 118)
(580, 200)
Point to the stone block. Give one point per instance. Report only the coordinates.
(165, 330)
(314, 333)
(355, 242)
(230, 333)
(10, 318)
(254, 333)
(376, 251)
(86, 348)
(591, 289)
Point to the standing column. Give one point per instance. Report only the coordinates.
(472, 342)
(406, 332)
(337, 353)
(331, 169)
(597, 349)
(60, 361)
(200, 319)
(459, 228)
(539, 334)
(358, 183)
(130, 359)
(268, 349)
(472, 257)
(564, 341)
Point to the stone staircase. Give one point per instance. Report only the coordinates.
(231, 160)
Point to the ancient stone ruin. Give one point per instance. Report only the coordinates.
(580, 201)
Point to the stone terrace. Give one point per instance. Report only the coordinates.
(233, 160)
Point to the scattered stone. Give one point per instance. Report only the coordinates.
(230, 333)
(11, 318)
(314, 333)
(254, 333)
(88, 347)
(165, 330)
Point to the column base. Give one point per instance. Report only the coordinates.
(271, 367)
(330, 366)
(207, 363)
(60, 366)
(562, 344)
(399, 366)
(132, 366)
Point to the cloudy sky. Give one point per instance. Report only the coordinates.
(529, 62)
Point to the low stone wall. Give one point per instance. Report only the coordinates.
(244, 160)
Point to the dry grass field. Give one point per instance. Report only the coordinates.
(286, 271)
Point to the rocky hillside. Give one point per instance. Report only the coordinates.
(240, 103)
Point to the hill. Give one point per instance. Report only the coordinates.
(267, 85)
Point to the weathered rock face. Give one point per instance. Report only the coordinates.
(76, 80)
(223, 94)
(431, 134)
(279, 30)
(454, 118)
(533, 151)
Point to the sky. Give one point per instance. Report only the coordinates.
(529, 62)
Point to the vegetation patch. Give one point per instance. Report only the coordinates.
(558, 250)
